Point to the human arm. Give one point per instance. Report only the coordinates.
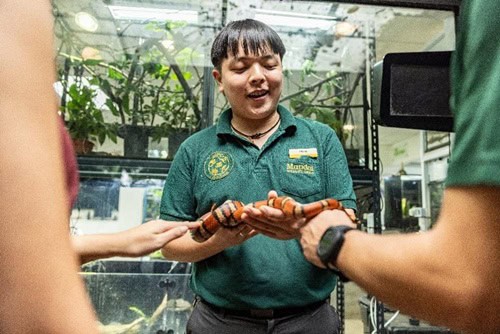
(41, 290)
(447, 276)
(137, 241)
(185, 249)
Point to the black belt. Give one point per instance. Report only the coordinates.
(265, 313)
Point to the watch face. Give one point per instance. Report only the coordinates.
(325, 244)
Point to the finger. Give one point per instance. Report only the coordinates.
(166, 225)
(272, 194)
(265, 215)
(245, 229)
(298, 224)
(273, 232)
(251, 212)
(274, 215)
(267, 233)
(172, 234)
(252, 233)
(191, 225)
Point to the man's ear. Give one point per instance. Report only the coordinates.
(218, 78)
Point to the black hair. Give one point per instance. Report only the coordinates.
(254, 36)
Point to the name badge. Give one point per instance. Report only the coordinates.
(295, 153)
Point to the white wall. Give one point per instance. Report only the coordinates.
(397, 147)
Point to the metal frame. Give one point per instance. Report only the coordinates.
(453, 5)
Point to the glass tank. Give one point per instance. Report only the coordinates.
(139, 297)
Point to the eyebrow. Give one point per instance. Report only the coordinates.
(243, 58)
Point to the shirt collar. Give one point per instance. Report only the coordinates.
(288, 123)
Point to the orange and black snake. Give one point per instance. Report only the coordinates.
(229, 213)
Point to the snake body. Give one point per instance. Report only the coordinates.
(229, 213)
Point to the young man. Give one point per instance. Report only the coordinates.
(451, 274)
(248, 282)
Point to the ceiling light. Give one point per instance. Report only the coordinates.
(348, 127)
(86, 21)
(289, 19)
(153, 14)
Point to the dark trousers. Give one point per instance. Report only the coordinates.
(208, 320)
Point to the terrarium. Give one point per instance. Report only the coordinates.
(134, 296)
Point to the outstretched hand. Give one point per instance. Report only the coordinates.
(273, 222)
(151, 236)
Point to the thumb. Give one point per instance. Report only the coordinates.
(272, 194)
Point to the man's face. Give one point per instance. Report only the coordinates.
(251, 83)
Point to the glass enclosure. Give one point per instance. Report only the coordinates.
(134, 80)
(135, 76)
(139, 297)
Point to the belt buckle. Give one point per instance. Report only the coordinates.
(262, 313)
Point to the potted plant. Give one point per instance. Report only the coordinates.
(151, 92)
(83, 119)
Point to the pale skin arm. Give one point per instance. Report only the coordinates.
(138, 241)
(185, 249)
(41, 290)
(448, 276)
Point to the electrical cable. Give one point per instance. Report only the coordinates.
(373, 311)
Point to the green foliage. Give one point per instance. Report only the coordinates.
(84, 120)
(317, 97)
(148, 87)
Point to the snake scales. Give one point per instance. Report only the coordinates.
(229, 213)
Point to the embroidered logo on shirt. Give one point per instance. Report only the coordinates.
(299, 168)
(218, 165)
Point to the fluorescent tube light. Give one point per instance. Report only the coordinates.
(152, 14)
(289, 19)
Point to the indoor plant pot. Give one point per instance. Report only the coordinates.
(135, 140)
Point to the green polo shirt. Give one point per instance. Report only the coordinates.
(475, 69)
(215, 165)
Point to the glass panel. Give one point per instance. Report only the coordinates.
(131, 72)
(324, 65)
(331, 48)
(142, 302)
(116, 194)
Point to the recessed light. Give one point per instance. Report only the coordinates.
(86, 21)
(152, 14)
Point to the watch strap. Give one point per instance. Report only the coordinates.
(332, 259)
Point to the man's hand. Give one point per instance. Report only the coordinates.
(312, 232)
(231, 236)
(272, 222)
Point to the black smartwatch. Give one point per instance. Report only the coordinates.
(329, 248)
